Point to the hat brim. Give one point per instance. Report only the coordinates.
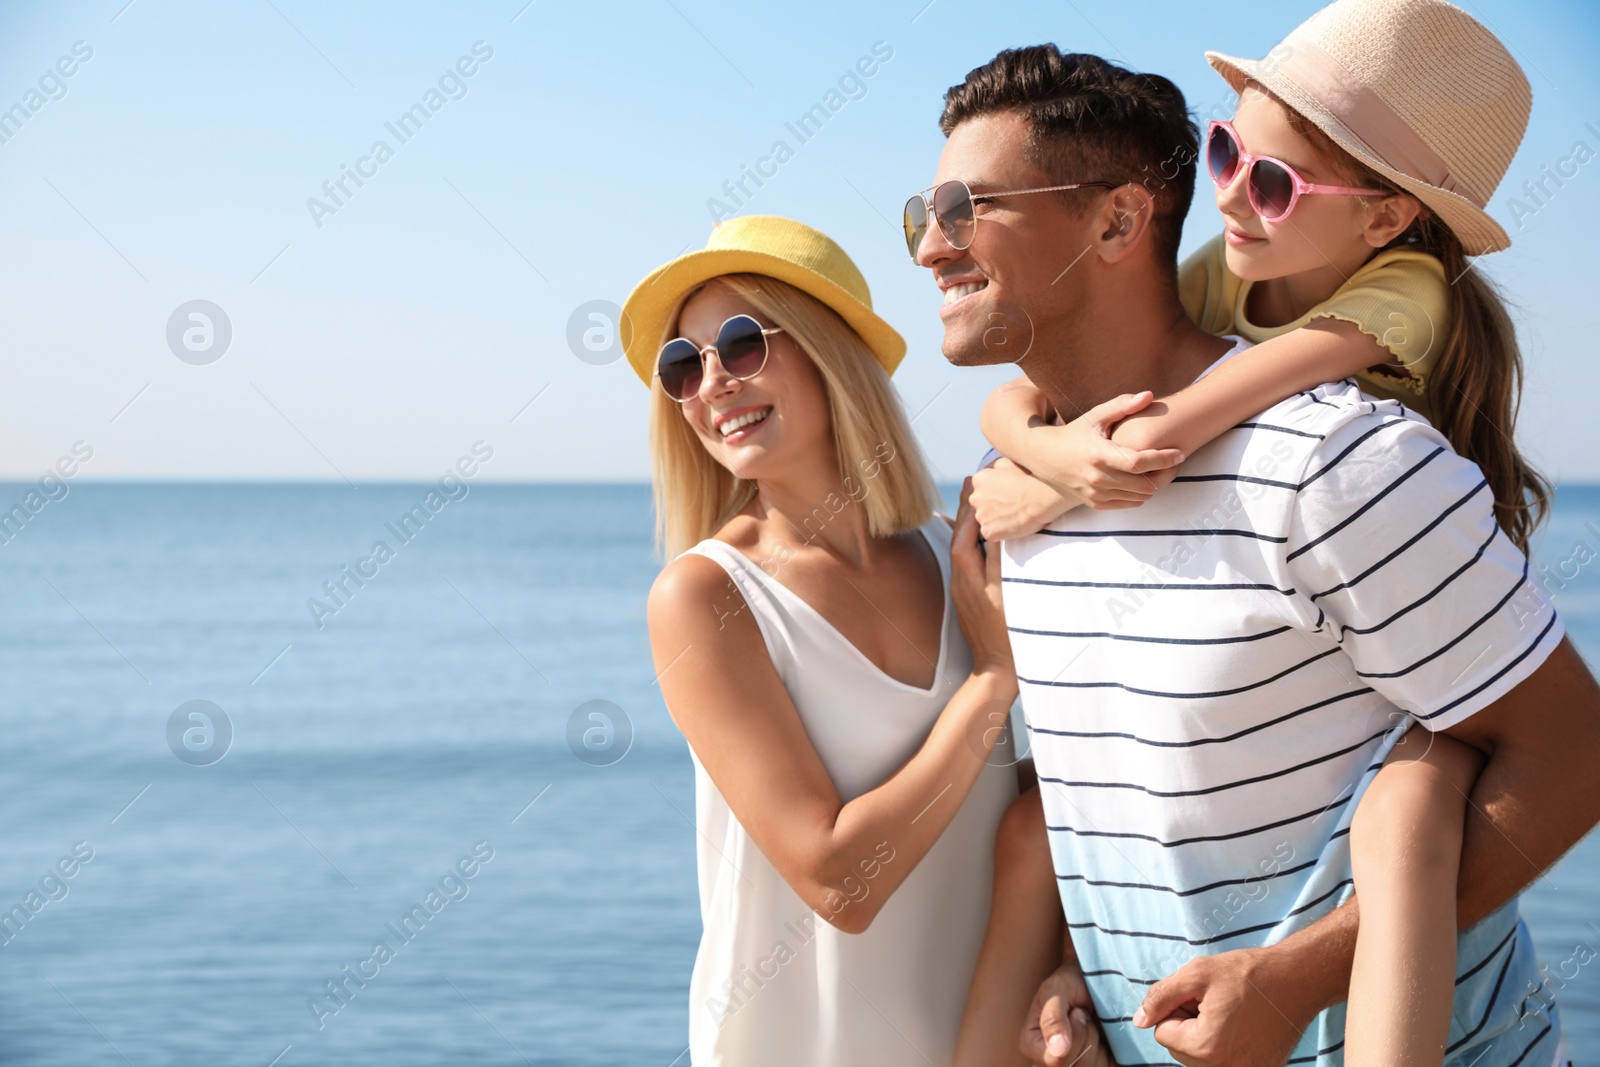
(646, 312)
(1478, 232)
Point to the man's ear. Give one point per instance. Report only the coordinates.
(1389, 218)
(1123, 221)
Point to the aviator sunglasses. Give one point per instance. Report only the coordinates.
(741, 348)
(1274, 187)
(950, 207)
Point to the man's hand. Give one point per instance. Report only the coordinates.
(1060, 1029)
(1239, 1009)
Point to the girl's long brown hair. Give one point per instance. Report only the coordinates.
(1476, 386)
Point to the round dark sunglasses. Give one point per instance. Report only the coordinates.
(949, 205)
(741, 348)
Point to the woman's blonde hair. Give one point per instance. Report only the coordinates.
(880, 465)
(1476, 386)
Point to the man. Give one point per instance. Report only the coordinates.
(1212, 679)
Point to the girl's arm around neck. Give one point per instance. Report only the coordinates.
(1010, 412)
(1148, 438)
(1265, 374)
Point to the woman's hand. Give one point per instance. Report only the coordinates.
(975, 592)
(1081, 461)
(1010, 502)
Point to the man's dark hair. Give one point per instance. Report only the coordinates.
(1092, 121)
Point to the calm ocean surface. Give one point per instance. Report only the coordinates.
(371, 755)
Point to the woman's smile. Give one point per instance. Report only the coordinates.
(739, 424)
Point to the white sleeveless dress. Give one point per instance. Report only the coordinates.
(774, 984)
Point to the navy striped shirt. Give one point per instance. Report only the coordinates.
(1211, 680)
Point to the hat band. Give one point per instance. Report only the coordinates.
(1365, 114)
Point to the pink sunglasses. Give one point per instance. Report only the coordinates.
(1273, 186)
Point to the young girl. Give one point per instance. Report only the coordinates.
(1336, 264)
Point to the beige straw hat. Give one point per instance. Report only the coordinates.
(1417, 90)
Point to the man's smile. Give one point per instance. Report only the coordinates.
(957, 288)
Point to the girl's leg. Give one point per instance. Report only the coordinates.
(1022, 945)
(1405, 849)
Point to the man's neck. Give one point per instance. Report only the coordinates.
(1161, 350)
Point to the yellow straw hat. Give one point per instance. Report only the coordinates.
(1417, 90)
(780, 248)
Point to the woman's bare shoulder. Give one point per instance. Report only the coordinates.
(691, 579)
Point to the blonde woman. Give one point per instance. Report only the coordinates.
(844, 711)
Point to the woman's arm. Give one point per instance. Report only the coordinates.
(1274, 370)
(725, 695)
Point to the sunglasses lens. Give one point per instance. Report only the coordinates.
(742, 347)
(1271, 190)
(1222, 156)
(679, 368)
(952, 208)
(916, 223)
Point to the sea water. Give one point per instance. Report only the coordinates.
(286, 877)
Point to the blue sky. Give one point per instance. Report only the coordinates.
(381, 335)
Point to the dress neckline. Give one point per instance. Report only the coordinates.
(941, 559)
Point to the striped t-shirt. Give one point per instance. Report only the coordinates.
(1211, 680)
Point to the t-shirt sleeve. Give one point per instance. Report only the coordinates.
(1206, 288)
(1401, 301)
(1394, 552)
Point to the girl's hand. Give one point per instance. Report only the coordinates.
(975, 592)
(1010, 502)
(1080, 460)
